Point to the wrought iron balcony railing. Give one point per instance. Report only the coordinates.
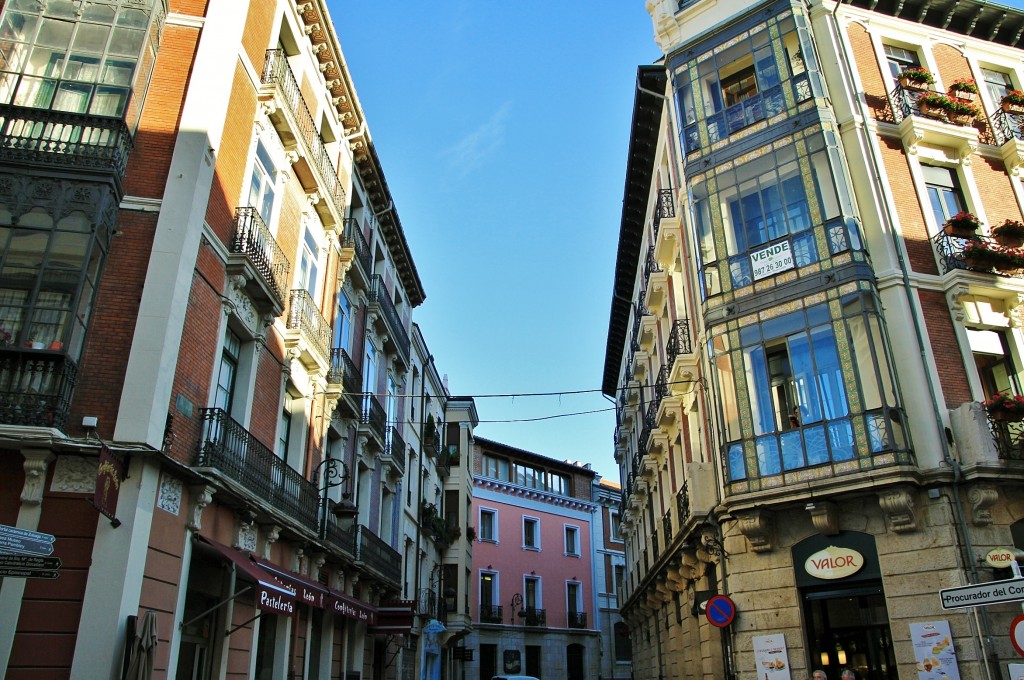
(426, 603)
(352, 237)
(304, 316)
(276, 71)
(490, 613)
(373, 417)
(394, 446)
(576, 619)
(380, 300)
(342, 539)
(650, 264)
(662, 388)
(1009, 438)
(666, 524)
(683, 504)
(69, 141)
(253, 239)
(952, 256)
(678, 340)
(377, 555)
(36, 387)
(534, 616)
(650, 420)
(232, 450)
(1008, 125)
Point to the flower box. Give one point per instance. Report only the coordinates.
(934, 105)
(916, 78)
(965, 89)
(1005, 406)
(1009, 234)
(1013, 101)
(963, 225)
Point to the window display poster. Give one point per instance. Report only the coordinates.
(771, 657)
(933, 650)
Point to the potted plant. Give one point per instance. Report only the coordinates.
(961, 112)
(1005, 406)
(978, 254)
(963, 225)
(1013, 101)
(471, 533)
(964, 88)
(916, 78)
(934, 105)
(1010, 234)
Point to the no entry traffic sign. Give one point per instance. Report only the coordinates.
(1017, 634)
(720, 611)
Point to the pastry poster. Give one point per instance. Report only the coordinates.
(771, 658)
(933, 650)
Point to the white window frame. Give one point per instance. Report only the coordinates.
(579, 596)
(575, 530)
(496, 592)
(494, 525)
(268, 178)
(539, 604)
(536, 533)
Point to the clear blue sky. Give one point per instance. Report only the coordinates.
(502, 128)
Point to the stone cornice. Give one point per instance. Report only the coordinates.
(534, 494)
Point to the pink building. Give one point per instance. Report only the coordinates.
(533, 595)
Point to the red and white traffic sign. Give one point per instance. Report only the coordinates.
(720, 611)
(1017, 634)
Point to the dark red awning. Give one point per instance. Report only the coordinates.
(271, 596)
(307, 591)
(394, 618)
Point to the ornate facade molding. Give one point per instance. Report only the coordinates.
(898, 506)
(759, 528)
(982, 497)
(202, 495)
(825, 517)
(37, 462)
(73, 474)
(169, 494)
(270, 535)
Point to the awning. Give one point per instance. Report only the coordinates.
(394, 618)
(350, 607)
(306, 590)
(271, 596)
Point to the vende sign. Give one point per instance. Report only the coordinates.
(833, 562)
(771, 260)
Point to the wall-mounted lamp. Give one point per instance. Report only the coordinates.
(840, 654)
(824, 658)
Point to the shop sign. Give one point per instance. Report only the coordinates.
(933, 651)
(772, 260)
(833, 563)
(1000, 558)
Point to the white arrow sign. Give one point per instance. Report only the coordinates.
(1011, 590)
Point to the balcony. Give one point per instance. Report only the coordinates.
(683, 505)
(576, 619)
(259, 259)
(681, 359)
(373, 420)
(394, 449)
(287, 110)
(381, 306)
(490, 613)
(36, 387)
(337, 536)
(308, 330)
(352, 239)
(378, 556)
(235, 455)
(916, 128)
(91, 145)
(427, 604)
(977, 273)
(344, 372)
(534, 617)
(666, 525)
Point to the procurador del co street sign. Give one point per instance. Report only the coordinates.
(995, 592)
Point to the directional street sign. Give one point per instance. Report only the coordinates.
(29, 573)
(23, 541)
(995, 592)
(29, 562)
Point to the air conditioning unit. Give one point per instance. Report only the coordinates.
(702, 487)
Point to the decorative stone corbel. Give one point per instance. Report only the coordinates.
(954, 299)
(202, 495)
(982, 497)
(268, 107)
(270, 536)
(1014, 307)
(825, 517)
(37, 462)
(326, 66)
(310, 29)
(898, 506)
(759, 528)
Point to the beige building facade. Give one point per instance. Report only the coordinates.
(800, 340)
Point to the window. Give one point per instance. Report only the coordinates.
(997, 84)
(944, 193)
(623, 646)
(531, 592)
(225, 390)
(84, 61)
(534, 660)
(343, 325)
(573, 597)
(495, 468)
(488, 525)
(531, 533)
(994, 361)
(615, 522)
(308, 263)
(262, 183)
(618, 580)
(572, 546)
(488, 589)
(284, 432)
(899, 60)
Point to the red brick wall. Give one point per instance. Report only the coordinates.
(948, 359)
(996, 192)
(875, 85)
(259, 25)
(908, 209)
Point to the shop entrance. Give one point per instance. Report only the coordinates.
(848, 628)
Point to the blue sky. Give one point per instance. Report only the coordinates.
(502, 129)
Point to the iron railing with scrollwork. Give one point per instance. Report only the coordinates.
(394, 446)
(276, 71)
(666, 523)
(576, 619)
(1009, 438)
(235, 452)
(950, 249)
(662, 388)
(679, 340)
(683, 504)
(426, 603)
(344, 370)
(650, 264)
(534, 616)
(380, 299)
(374, 417)
(253, 239)
(1008, 125)
(378, 555)
(304, 316)
(490, 613)
(36, 387)
(650, 421)
(60, 139)
(353, 238)
(343, 539)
